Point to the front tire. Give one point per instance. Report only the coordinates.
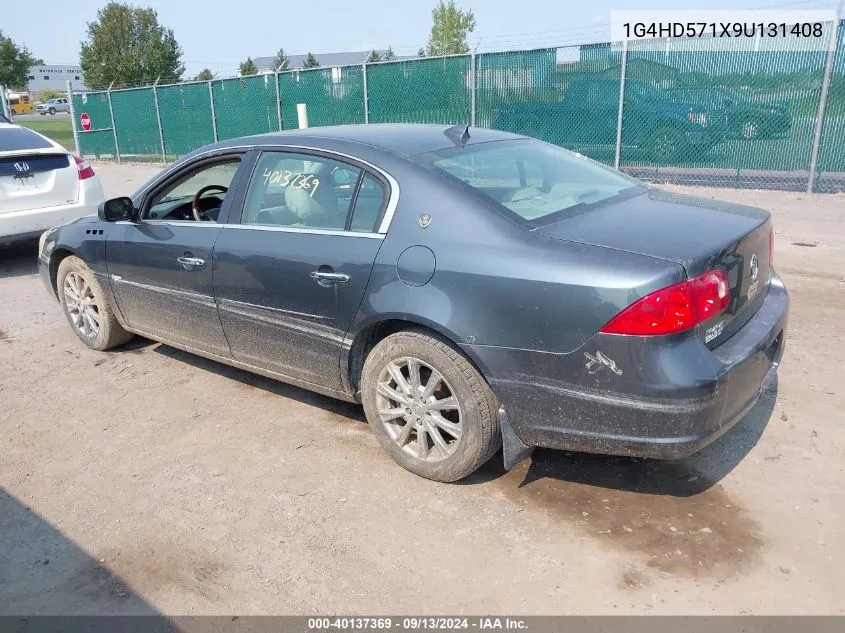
(429, 407)
(86, 307)
(668, 144)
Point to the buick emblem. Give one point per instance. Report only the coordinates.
(754, 268)
(21, 167)
(425, 220)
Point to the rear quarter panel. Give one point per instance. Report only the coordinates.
(496, 283)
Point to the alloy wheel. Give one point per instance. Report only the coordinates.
(419, 409)
(749, 130)
(81, 305)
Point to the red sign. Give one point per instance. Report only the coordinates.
(86, 121)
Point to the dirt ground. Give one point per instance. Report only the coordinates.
(147, 480)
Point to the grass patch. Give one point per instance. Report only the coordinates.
(57, 128)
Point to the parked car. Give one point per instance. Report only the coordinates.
(474, 288)
(52, 106)
(42, 185)
(586, 118)
(747, 119)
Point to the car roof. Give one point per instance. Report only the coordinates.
(403, 139)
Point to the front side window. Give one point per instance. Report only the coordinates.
(203, 190)
(532, 179)
(307, 191)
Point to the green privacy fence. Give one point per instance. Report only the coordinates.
(334, 96)
(437, 90)
(684, 111)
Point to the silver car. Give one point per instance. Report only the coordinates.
(61, 104)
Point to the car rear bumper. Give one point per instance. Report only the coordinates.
(19, 225)
(669, 399)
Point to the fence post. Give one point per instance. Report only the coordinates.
(618, 155)
(213, 114)
(366, 95)
(158, 119)
(473, 86)
(113, 128)
(817, 135)
(73, 117)
(278, 101)
(5, 108)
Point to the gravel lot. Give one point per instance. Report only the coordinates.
(147, 480)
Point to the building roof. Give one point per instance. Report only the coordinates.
(350, 58)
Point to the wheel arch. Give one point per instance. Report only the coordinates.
(57, 255)
(373, 332)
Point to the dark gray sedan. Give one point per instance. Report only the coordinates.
(469, 287)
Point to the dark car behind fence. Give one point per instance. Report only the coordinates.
(688, 113)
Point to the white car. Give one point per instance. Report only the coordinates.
(42, 185)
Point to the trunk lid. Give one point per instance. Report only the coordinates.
(34, 172)
(698, 233)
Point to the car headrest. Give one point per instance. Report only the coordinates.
(314, 207)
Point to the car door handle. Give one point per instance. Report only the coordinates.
(189, 263)
(327, 278)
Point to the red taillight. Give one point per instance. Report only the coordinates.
(771, 248)
(84, 167)
(674, 309)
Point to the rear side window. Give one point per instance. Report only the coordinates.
(14, 139)
(307, 191)
(368, 204)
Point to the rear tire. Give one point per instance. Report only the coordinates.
(86, 306)
(451, 428)
(749, 130)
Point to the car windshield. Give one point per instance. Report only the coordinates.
(532, 179)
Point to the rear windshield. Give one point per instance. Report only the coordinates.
(535, 180)
(13, 139)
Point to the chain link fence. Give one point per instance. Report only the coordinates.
(680, 111)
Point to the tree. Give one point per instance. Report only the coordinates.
(204, 75)
(280, 61)
(248, 67)
(421, 52)
(126, 45)
(43, 96)
(374, 57)
(389, 55)
(450, 29)
(310, 61)
(14, 64)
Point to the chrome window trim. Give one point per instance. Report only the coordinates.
(296, 229)
(393, 196)
(194, 223)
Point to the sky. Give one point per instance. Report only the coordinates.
(219, 34)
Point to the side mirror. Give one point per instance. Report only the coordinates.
(116, 209)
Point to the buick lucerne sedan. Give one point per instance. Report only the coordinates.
(471, 288)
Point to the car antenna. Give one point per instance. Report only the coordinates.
(458, 134)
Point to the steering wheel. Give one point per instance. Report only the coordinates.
(195, 204)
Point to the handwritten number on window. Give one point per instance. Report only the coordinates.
(285, 178)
